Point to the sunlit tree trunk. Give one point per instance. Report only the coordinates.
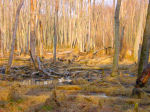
(70, 22)
(139, 36)
(117, 42)
(89, 40)
(145, 45)
(122, 46)
(32, 27)
(114, 1)
(1, 27)
(103, 30)
(94, 24)
(55, 29)
(14, 36)
(63, 26)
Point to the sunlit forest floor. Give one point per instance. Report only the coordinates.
(81, 83)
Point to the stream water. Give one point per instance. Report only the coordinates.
(36, 82)
(45, 82)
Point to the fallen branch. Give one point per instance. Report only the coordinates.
(40, 69)
(39, 62)
(43, 70)
(33, 60)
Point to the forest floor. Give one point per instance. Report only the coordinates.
(81, 83)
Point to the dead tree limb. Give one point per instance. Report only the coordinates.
(33, 60)
(40, 69)
(43, 70)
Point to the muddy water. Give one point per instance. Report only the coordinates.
(101, 95)
(45, 82)
(36, 82)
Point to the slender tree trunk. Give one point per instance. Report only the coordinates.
(117, 42)
(139, 36)
(32, 27)
(114, 1)
(2, 28)
(14, 36)
(70, 22)
(55, 30)
(122, 46)
(41, 39)
(145, 45)
(1, 24)
(89, 27)
(27, 40)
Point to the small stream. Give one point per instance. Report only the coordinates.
(45, 82)
(96, 94)
(36, 82)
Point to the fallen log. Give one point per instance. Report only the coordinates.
(44, 71)
(39, 68)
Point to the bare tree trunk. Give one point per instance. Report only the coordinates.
(114, 3)
(2, 26)
(117, 42)
(89, 27)
(145, 45)
(70, 22)
(32, 27)
(139, 35)
(122, 46)
(55, 30)
(41, 39)
(14, 36)
(27, 41)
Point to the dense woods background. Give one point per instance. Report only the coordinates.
(87, 25)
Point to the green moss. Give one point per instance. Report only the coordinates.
(20, 108)
(47, 108)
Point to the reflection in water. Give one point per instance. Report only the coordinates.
(60, 81)
(37, 82)
(99, 95)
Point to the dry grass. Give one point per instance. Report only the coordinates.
(74, 98)
(13, 98)
(69, 87)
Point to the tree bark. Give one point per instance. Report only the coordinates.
(55, 30)
(145, 45)
(117, 42)
(14, 36)
(89, 28)
(139, 36)
(32, 27)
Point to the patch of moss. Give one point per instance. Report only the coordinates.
(91, 88)
(47, 107)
